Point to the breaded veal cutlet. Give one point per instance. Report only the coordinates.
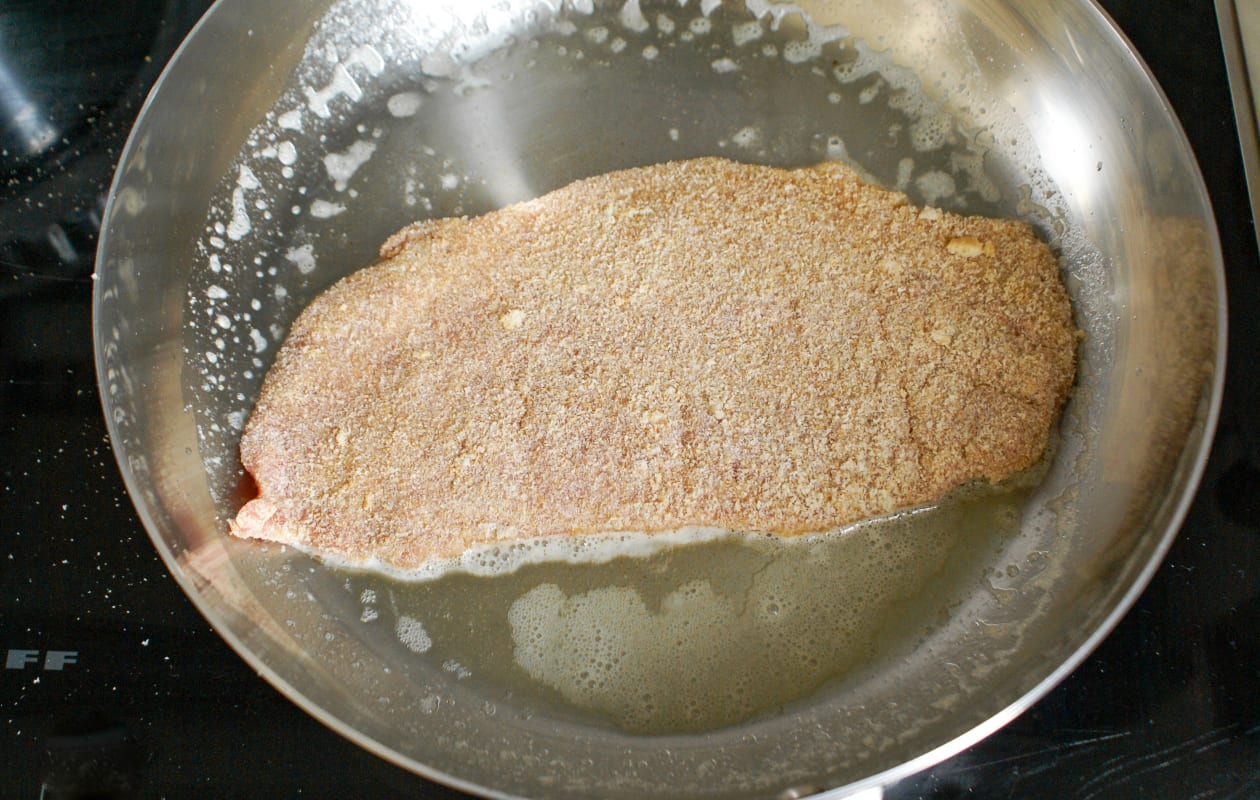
(696, 343)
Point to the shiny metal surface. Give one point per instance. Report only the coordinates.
(1240, 40)
(227, 215)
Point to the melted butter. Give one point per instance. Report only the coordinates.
(699, 636)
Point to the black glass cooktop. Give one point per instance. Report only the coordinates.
(115, 687)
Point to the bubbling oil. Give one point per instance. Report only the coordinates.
(701, 636)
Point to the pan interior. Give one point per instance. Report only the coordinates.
(817, 663)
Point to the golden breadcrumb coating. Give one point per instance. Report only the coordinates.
(700, 343)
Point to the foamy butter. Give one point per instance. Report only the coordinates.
(290, 120)
(746, 137)
(744, 32)
(286, 153)
(935, 186)
(411, 633)
(342, 166)
(342, 83)
(715, 650)
(302, 257)
(404, 104)
(631, 16)
(240, 226)
(489, 560)
(324, 209)
(699, 628)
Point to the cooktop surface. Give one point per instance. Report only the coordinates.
(115, 687)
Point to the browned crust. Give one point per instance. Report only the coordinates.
(693, 343)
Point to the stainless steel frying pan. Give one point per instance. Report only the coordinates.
(285, 141)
